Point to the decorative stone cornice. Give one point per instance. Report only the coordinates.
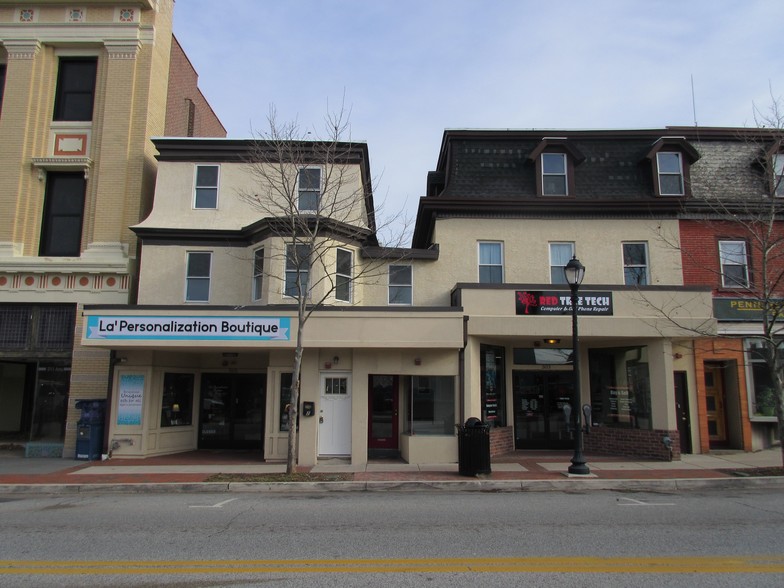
(22, 48)
(122, 49)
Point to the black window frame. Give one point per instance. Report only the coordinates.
(53, 242)
(76, 82)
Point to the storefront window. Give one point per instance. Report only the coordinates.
(620, 387)
(493, 388)
(177, 404)
(431, 410)
(762, 396)
(51, 402)
(285, 400)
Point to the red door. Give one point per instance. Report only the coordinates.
(383, 421)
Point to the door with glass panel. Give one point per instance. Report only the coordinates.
(383, 421)
(232, 411)
(714, 404)
(335, 415)
(539, 401)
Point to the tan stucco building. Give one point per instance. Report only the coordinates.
(84, 87)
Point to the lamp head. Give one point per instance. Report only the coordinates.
(574, 272)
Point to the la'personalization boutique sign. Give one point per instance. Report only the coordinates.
(188, 328)
(528, 302)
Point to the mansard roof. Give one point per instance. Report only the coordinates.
(493, 173)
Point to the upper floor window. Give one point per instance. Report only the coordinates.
(75, 92)
(297, 270)
(258, 273)
(554, 174)
(670, 167)
(343, 274)
(206, 186)
(400, 284)
(635, 264)
(734, 265)
(491, 263)
(197, 276)
(2, 84)
(61, 229)
(309, 189)
(778, 173)
(560, 254)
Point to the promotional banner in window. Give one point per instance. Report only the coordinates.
(130, 400)
(171, 328)
(528, 302)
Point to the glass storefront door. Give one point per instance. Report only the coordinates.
(232, 411)
(539, 399)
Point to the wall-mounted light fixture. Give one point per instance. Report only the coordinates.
(417, 361)
(552, 341)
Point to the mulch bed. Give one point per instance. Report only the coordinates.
(755, 472)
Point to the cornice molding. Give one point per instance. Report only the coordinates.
(76, 33)
(21, 48)
(122, 49)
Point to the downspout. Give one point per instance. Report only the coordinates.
(109, 393)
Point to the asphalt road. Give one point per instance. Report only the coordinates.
(394, 538)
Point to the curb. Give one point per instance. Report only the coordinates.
(566, 485)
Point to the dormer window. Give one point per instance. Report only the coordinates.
(778, 175)
(554, 174)
(555, 159)
(670, 169)
(671, 158)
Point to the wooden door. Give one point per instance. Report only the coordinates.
(714, 404)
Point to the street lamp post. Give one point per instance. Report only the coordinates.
(574, 272)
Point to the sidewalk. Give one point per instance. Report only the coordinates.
(516, 471)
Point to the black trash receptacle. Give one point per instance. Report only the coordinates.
(473, 447)
(89, 429)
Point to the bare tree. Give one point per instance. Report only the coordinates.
(315, 195)
(744, 206)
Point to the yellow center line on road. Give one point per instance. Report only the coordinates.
(762, 564)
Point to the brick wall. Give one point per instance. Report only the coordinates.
(184, 92)
(501, 440)
(632, 442)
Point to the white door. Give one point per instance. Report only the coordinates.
(335, 415)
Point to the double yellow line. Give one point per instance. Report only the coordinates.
(762, 564)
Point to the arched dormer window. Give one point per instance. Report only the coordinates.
(773, 164)
(555, 159)
(671, 159)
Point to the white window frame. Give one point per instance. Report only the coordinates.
(190, 278)
(348, 277)
(301, 191)
(197, 187)
(731, 259)
(564, 174)
(555, 268)
(409, 285)
(679, 173)
(480, 265)
(296, 270)
(258, 273)
(778, 175)
(645, 266)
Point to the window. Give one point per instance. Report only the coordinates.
(778, 172)
(491, 268)
(400, 285)
(432, 405)
(620, 387)
(343, 270)
(206, 189)
(197, 287)
(762, 395)
(635, 264)
(560, 254)
(75, 91)
(297, 270)
(309, 188)
(554, 174)
(734, 270)
(670, 169)
(258, 273)
(2, 84)
(286, 379)
(493, 385)
(61, 230)
(177, 402)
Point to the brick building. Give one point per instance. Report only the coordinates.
(83, 87)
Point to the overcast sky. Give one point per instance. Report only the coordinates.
(411, 68)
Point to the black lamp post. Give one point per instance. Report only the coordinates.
(575, 272)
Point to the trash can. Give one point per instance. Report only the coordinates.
(89, 429)
(473, 447)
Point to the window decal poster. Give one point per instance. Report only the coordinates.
(130, 399)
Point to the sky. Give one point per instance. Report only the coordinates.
(406, 70)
